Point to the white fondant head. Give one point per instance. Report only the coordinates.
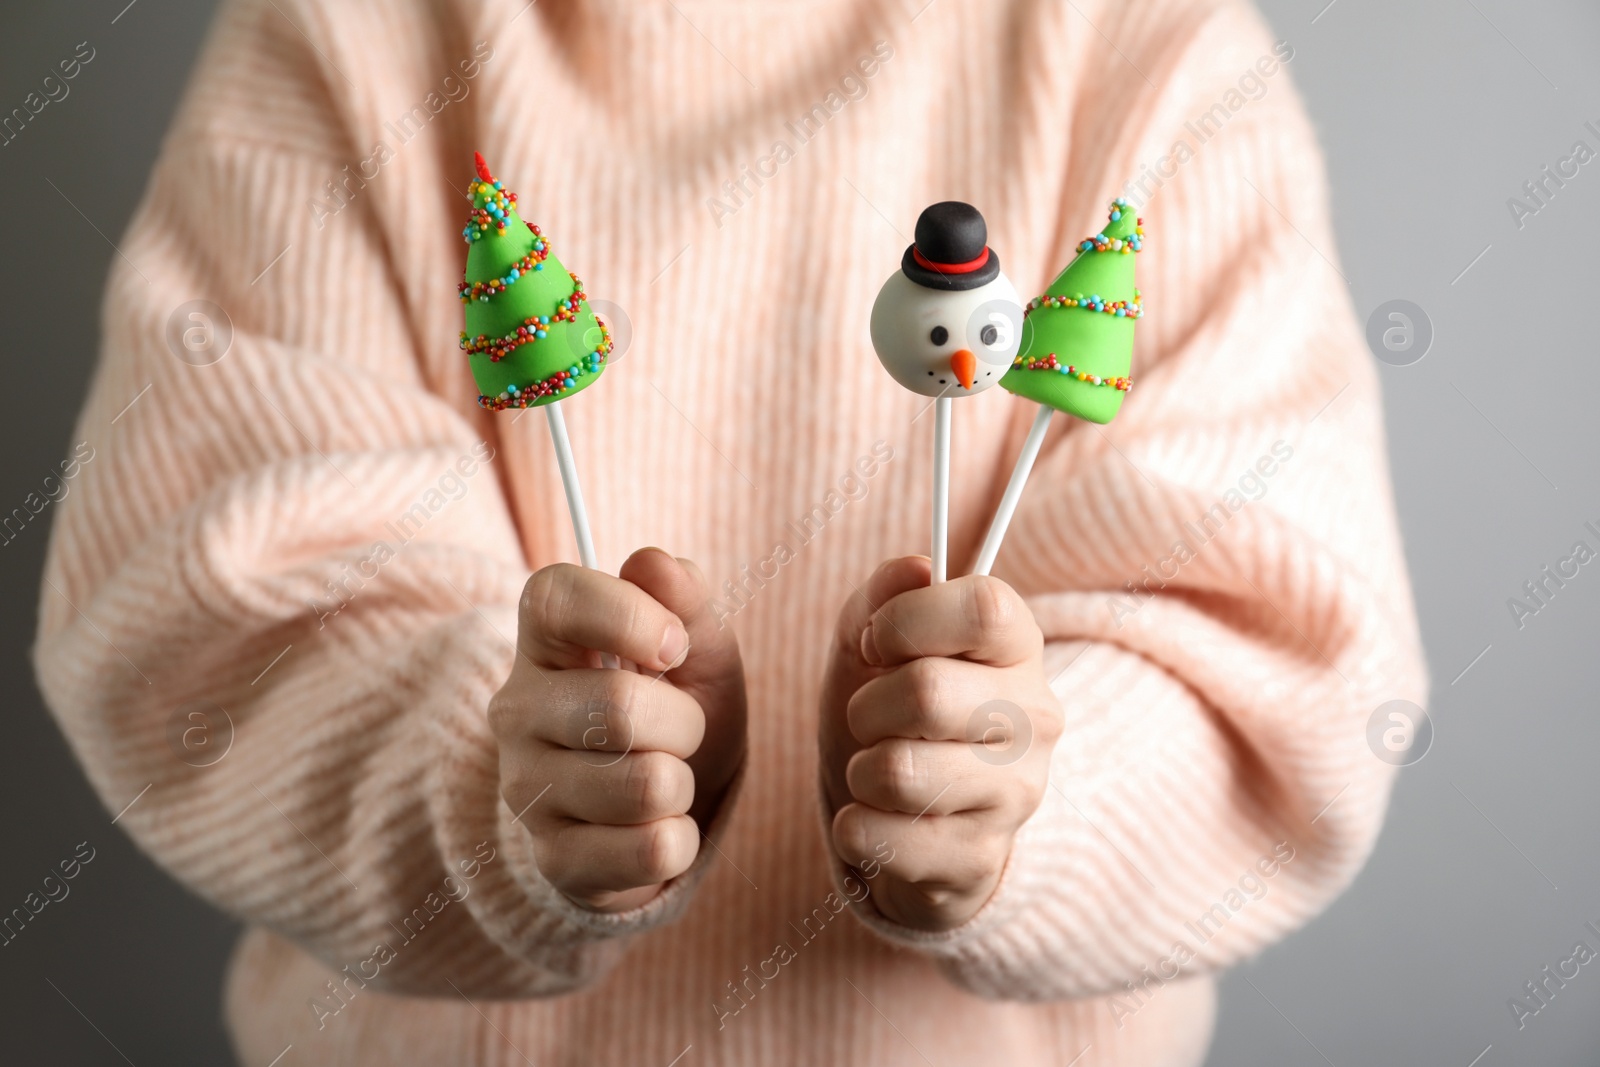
(942, 343)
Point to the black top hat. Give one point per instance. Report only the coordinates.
(951, 251)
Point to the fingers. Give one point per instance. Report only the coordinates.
(591, 863)
(935, 737)
(977, 618)
(604, 789)
(949, 852)
(608, 769)
(945, 700)
(601, 711)
(568, 611)
(929, 778)
(604, 826)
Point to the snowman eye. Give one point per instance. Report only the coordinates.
(939, 335)
(989, 335)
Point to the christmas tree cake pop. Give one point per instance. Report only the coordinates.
(1077, 350)
(530, 337)
(1077, 346)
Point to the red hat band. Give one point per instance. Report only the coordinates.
(951, 268)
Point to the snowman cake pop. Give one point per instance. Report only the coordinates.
(948, 323)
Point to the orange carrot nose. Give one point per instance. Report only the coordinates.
(965, 366)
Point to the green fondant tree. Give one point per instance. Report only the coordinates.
(530, 336)
(1077, 342)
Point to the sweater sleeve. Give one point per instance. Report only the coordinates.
(1218, 574)
(285, 588)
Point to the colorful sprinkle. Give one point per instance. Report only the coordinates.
(492, 206)
(1127, 309)
(1050, 363)
(534, 328)
(534, 260)
(1101, 243)
(559, 382)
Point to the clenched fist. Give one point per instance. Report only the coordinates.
(616, 771)
(936, 731)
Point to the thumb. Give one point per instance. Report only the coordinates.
(711, 671)
(678, 586)
(892, 578)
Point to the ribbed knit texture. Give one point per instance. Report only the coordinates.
(1205, 725)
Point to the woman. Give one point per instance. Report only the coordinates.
(306, 530)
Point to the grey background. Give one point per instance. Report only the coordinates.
(1432, 114)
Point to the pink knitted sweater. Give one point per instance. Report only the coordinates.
(301, 537)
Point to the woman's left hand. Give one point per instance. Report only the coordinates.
(936, 731)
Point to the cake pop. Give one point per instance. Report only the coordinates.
(948, 323)
(1077, 349)
(531, 339)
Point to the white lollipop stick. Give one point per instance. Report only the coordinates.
(569, 482)
(941, 487)
(1013, 493)
(574, 490)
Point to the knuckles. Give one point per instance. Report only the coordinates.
(964, 862)
(545, 594)
(994, 610)
(653, 783)
(991, 856)
(637, 620)
(923, 692)
(617, 700)
(889, 765)
(851, 832)
(1030, 794)
(662, 851)
(553, 852)
(520, 789)
(1049, 725)
(505, 715)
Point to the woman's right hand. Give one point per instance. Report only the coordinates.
(615, 772)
